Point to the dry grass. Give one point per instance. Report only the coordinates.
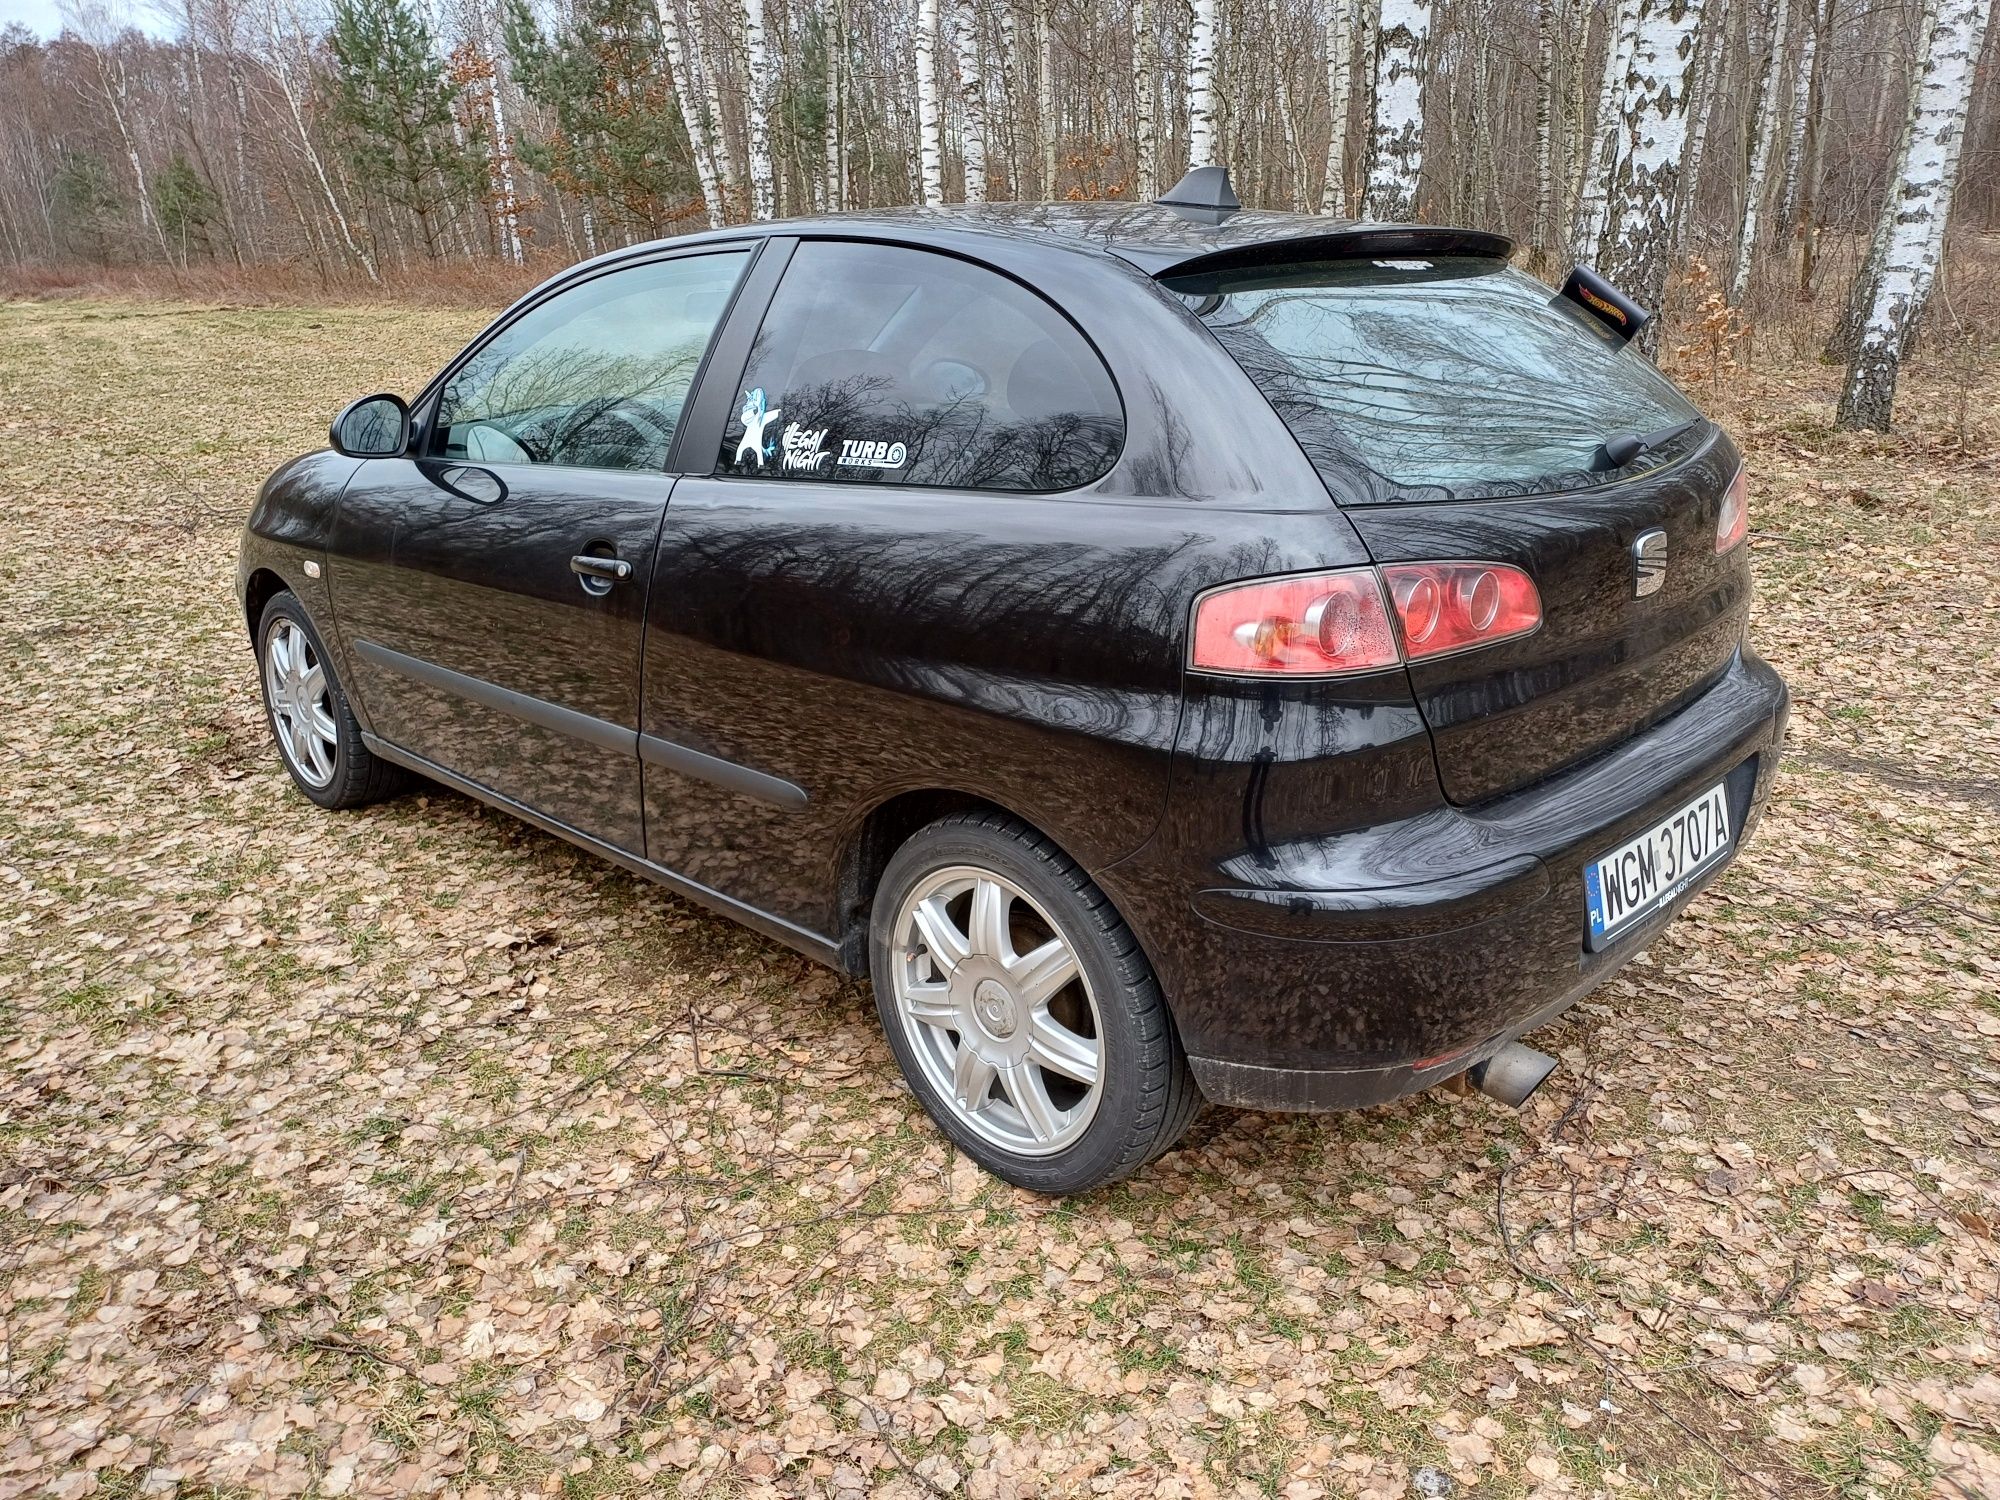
(370, 1153)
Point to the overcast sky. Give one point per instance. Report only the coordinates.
(42, 17)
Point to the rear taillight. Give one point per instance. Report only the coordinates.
(1732, 521)
(1454, 606)
(1335, 624)
(1308, 625)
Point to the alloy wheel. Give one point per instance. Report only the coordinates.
(998, 1011)
(301, 709)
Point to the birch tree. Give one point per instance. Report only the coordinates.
(1339, 85)
(930, 119)
(691, 113)
(757, 62)
(971, 96)
(1763, 136)
(1145, 97)
(1201, 86)
(1916, 212)
(1396, 143)
(1601, 168)
(1655, 133)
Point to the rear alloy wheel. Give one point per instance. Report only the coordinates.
(1021, 1010)
(317, 736)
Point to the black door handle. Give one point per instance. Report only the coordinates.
(609, 569)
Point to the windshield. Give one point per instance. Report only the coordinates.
(1460, 375)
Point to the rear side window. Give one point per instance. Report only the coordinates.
(1449, 374)
(886, 365)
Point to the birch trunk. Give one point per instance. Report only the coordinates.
(503, 156)
(930, 125)
(1763, 135)
(1795, 139)
(1594, 208)
(691, 118)
(1279, 53)
(1145, 93)
(1701, 101)
(702, 52)
(1918, 209)
(836, 110)
(1545, 145)
(1655, 130)
(971, 97)
(757, 62)
(1201, 86)
(1396, 146)
(1339, 84)
(1048, 127)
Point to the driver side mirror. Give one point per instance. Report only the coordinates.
(373, 427)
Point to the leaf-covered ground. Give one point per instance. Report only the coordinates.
(410, 1151)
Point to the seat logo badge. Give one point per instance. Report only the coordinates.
(1649, 562)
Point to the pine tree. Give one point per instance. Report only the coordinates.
(185, 205)
(392, 112)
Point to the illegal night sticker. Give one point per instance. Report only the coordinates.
(804, 449)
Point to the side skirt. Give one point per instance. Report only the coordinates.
(811, 944)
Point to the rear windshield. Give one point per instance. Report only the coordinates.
(1453, 375)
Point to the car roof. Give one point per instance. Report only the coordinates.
(1159, 239)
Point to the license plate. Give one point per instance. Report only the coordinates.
(1660, 864)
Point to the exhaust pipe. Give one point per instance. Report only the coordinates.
(1511, 1074)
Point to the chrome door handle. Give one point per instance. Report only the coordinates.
(609, 569)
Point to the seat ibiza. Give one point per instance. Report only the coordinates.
(1174, 652)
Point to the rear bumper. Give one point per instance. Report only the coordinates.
(1371, 963)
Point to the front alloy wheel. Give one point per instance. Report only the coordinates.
(315, 728)
(1021, 1009)
(301, 710)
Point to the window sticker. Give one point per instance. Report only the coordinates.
(857, 453)
(804, 449)
(755, 419)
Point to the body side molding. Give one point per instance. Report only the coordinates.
(806, 941)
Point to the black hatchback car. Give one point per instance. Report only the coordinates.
(1175, 654)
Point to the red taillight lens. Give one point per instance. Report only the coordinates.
(1454, 606)
(1732, 521)
(1312, 625)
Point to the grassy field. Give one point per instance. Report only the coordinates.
(410, 1151)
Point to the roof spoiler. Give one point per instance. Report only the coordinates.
(1348, 242)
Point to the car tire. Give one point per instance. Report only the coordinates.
(1021, 1009)
(317, 736)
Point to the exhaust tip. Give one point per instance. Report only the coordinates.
(1512, 1074)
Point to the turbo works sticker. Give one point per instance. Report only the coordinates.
(859, 454)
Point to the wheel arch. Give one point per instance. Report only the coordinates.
(259, 589)
(885, 826)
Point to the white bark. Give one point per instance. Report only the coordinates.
(971, 96)
(1396, 154)
(1280, 53)
(1601, 167)
(1339, 84)
(757, 61)
(1201, 86)
(1795, 143)
(1145, 92)
(1763, 135)
(503, 155)
(930, 120)
(286, 38)
(1048, 128)
(836, 110)
(703, 55)
(1545, 127)
(1655, 132)
(1918, 210)
(685, 98)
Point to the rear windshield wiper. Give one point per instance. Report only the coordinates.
(1621, 448)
